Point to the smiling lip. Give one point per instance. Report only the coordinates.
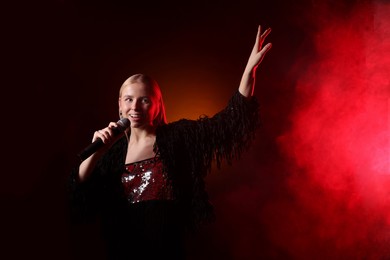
(135, 117)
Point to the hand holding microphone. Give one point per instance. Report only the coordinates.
(101, 135)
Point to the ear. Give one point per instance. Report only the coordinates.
(120, 110)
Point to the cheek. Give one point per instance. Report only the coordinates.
(125, 107)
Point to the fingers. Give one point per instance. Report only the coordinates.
(265, 33)
(266, 48)
(101, 134)
(260, 37)
(105, 134)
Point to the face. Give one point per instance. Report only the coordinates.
(138, 103)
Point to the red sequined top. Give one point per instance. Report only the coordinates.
(146, 180)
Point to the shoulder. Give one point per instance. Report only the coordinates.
(175, 126)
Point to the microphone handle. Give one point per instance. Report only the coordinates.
(90, 149)
(98, 143)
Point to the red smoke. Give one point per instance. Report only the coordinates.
(338, 144)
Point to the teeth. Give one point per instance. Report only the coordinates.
(134, 116)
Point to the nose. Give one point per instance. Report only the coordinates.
(135, 104)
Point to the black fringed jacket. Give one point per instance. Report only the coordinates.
(187, 149)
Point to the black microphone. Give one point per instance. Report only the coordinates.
(123, 124)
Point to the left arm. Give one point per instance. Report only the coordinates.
(225, 135)
(247, 83)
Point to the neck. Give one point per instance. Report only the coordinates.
(138, 134)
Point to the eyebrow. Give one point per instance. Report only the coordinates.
(126, 96)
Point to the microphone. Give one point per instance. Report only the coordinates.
(123, 124)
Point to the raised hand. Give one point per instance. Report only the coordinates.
(258, 52)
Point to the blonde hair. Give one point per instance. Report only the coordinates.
(161, 118)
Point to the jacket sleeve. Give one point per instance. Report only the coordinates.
(86, 199)
(232, 130)
(221, 137)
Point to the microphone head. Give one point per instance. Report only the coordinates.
(124, 123)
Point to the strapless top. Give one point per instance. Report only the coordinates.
(146, 180)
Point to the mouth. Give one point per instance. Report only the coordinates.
(135, 116)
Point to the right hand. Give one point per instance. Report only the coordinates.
(107, 134)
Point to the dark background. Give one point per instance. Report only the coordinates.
(63, 63)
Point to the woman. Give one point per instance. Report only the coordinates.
(147, 184)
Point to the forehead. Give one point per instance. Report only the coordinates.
(137, 89)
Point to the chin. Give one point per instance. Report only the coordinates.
(138, 125)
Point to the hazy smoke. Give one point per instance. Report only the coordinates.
(338, 145)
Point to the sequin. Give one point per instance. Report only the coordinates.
(146, 180)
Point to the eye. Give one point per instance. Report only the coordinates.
(146, 100)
